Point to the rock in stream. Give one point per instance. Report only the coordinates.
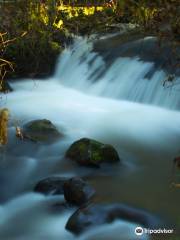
(88, 152)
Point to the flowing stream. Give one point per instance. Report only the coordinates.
(115, 104)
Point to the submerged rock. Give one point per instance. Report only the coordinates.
(89, 152)
(96, 215)
(77, 191)
(41, 131)
(51, 186)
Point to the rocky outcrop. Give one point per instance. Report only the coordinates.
(41, 131)
(88, 152)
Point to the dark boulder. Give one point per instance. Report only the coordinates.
(41, 131)
(95, 215)
(51, 186)
(88, 152)
(77, 191)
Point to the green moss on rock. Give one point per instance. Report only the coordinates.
(42, 131)
(89, 152)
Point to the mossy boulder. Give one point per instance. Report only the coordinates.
(41, 131)
(88, 152)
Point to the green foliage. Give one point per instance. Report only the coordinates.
(155, 16)
(5, 65)
(34, 54)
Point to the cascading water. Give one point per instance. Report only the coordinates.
(124, 79)
(77, 100)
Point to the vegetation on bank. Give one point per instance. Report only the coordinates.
(33, 33)
(37, 41)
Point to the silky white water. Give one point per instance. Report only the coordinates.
(124, 79)
(146, 137)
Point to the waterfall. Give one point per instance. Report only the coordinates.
(121, 102)
(126, 78)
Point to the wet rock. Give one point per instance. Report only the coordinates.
(77, 191)
(96, 215)
(41, 131)
(51, 186)
(88, 152)
(128, 45)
